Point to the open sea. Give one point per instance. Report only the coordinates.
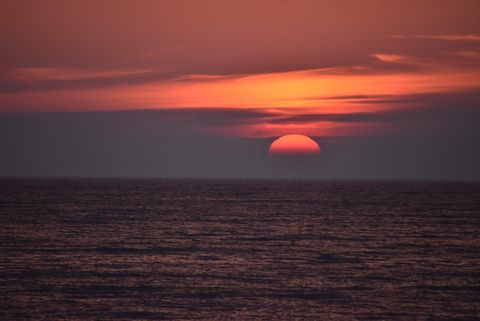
(93, 249)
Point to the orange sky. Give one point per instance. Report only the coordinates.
(287, 57)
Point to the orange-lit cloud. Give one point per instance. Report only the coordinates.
(296, 92)
(293, 59)
(303, 88)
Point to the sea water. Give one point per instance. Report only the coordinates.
(92, 249)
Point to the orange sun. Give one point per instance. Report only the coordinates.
(294, 145)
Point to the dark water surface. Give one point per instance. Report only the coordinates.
(241, 250)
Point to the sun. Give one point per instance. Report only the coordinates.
(294, 145)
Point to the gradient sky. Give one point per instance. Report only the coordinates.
(389, 89)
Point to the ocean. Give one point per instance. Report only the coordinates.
(128, 249)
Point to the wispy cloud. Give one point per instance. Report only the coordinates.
(33, 79)
(427, 111)
(446, 37)
(142, 89)
(389, 57)
(471, 54)
(66, 74)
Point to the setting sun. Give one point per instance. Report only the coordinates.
(294, 145)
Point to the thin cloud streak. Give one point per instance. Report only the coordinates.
(446, 37)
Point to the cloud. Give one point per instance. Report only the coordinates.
(56, 90)
(349, 97)
(29, 75)
(471, 54)
(213, 37)
(37, 79)
(452, 37)
(389, 57)
(427, 111)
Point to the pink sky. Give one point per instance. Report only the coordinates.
(289, 57)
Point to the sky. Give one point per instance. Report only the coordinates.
(201, 88)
